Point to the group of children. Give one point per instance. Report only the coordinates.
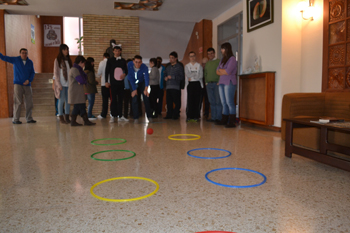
(124, 81)
(115, 86)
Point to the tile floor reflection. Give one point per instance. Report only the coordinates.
(46, 174)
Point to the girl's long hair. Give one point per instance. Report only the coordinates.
(88, 64)
(61, 57)
(228, 52)
(154, 60)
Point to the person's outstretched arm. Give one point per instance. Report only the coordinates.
(7, 58)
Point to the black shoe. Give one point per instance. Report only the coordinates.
(31, 121)
(167, 117)
(16, 122)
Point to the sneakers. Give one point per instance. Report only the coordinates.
(31, 121)
(100, 117)
(122, 119)
(111, 120)
(92, 118)
(16, 122)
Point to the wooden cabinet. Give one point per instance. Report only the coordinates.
(257, 98)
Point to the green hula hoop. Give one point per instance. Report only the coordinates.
(124, 200)
(92, 156)
(111, 144)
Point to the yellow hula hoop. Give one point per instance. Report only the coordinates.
(121, 178)
(171, 137)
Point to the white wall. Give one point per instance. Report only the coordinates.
(290, 73)
(312, 51)
(266, 42)
(290, 46)
(222, 18)
(159, 38)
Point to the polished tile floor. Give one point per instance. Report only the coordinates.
(46, 174)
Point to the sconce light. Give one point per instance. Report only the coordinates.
(307, 9)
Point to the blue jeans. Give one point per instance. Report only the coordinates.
(227, 96)
(91, 99)
(214, 100)
(56, 106)
(63, 100)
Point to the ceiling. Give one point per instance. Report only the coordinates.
(171, 10)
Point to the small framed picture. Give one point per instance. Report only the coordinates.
(259, 13)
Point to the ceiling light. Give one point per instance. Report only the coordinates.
(152, 5)
(14, 2)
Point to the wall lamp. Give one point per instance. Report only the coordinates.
(307, 9)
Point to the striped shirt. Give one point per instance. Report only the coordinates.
(177, 75)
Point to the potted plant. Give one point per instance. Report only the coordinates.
(80, 42)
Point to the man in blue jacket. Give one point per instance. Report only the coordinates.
(23, 70)
(139, 80)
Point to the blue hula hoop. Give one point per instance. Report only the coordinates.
(198, 157)
(235, 186)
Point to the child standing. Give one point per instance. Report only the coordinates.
(194, 83)
(90, 87)
(77, 78)
(154, 83)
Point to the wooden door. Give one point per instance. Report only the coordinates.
(336, 46)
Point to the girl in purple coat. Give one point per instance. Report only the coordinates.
(227, 70)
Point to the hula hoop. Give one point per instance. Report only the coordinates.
(110, 144)
(92, 156)
(235, 186)
(124, 178)
(171, 137)
(215, 232)
(198, 157)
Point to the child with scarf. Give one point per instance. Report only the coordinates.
(77, 78)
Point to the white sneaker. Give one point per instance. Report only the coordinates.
(122, 119)
(100, 117)
(111, 120)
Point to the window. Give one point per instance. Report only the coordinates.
(73, 30)
(231, 31)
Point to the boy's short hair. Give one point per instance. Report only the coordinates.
(117, 47)
(174, 54)
(211, 50)
(137, 57)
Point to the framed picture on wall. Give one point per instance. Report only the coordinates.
(52, 35)
(259, 13)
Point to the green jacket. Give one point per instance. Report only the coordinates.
(210, 71)
(90, 87)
